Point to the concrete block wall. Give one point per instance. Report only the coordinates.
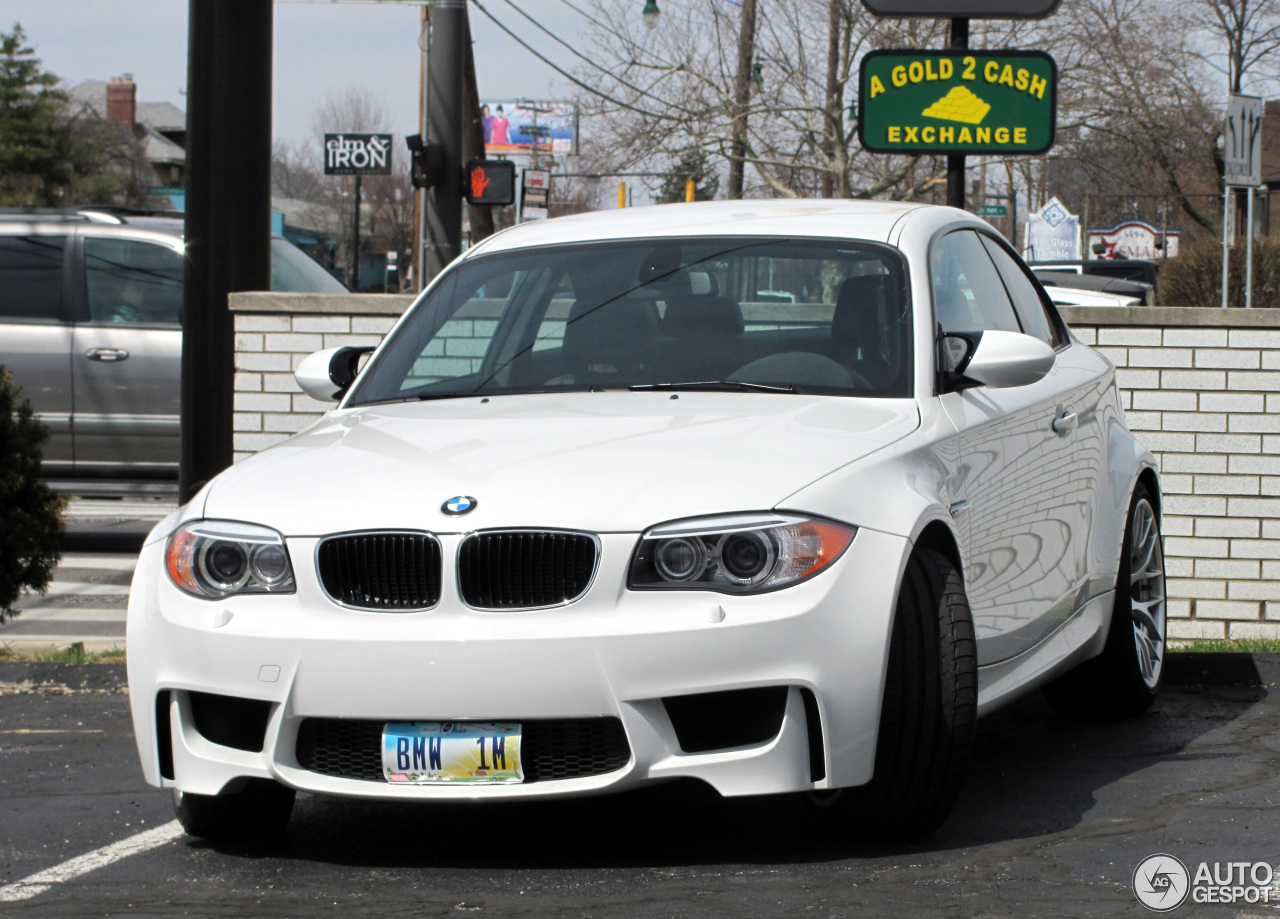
(1201, 387)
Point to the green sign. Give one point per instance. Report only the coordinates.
(993, 210)
(159, 191)
(957, 102)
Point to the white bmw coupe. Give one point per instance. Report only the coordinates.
(604, 508)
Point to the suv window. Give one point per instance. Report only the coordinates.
(31, 277)
(1026, 298)
(968, 295)
(130, 280)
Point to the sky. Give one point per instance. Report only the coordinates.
(321, 48)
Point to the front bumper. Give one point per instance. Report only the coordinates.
(613, 653)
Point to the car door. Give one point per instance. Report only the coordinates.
(35, 334)
(126, 357)
(1087, 402)
(1016, 490)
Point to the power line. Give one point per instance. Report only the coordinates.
(564, 73)
(579, 54)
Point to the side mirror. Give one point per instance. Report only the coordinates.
(994, 359)
(328, 374)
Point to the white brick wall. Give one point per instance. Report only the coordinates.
(1203, 397)
(1204, 400)
(274, 332)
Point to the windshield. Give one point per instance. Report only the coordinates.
(294, 271)
(823, 316)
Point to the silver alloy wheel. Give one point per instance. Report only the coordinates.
(1146, 592)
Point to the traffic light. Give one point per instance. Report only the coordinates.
(490, 182)
(427, 168)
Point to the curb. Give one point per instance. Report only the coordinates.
(73, 676)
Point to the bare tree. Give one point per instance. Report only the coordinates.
(1238, 35)
(387, 211)
(1133, 117)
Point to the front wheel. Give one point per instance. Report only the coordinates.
(259, 809)
(927, 714)
(1123, 681)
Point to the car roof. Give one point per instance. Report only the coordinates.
(812, 218)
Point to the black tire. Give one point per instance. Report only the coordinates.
(258, 810)
(928, 712)
(1119, 683)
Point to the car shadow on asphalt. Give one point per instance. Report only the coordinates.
(1033, 774)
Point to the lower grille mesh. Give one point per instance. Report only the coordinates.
(566, 748)
(381, 571)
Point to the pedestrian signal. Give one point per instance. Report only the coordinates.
(490, 182)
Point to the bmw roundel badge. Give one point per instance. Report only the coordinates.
(457, 506)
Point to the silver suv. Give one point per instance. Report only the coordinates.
(90, 326)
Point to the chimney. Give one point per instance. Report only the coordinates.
(122, 100)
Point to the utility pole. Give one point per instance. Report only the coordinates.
(420, 194)
(742, 97)
(228, 216)
(354, 272)
(444, 127)
(480, 216)
(955, 162)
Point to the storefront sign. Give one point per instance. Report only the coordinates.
(957, 102)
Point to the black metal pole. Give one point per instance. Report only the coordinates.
(955, 162)
(228, 216)
(444, 127)
(355, 242)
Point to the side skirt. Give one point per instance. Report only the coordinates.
(1074, 642)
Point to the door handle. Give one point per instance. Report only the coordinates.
(1065, 423)
(107, 355)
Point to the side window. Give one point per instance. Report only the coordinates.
(1026, 298)
(132, 281)
(968, 295)
(31, 277)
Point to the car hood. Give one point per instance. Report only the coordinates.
(604, 462)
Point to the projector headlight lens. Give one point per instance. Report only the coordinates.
(740, 553)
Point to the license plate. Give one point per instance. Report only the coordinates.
(436, 752)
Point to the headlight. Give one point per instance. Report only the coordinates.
(742, 553)
(218, 558)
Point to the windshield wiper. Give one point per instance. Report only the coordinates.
(714, 386)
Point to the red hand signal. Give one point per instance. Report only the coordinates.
(479, 182)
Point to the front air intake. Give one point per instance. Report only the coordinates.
(392, 572)
(525, 569)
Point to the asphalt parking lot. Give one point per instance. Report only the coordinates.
(1053, 823)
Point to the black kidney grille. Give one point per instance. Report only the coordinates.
(566, 748)
(524, 569)
(381, 571)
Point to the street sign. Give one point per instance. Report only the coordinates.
(957, 102)
(357, 154)
(1053, 233)
(490, 182)
(1243, 141)
(161, 191)
(963, 9)
(535, 197)
(993, 210)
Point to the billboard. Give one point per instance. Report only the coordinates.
(357, 154)
(516, 127)
(957, 102)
